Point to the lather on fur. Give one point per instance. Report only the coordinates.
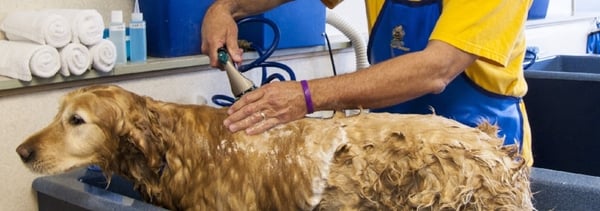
(181, 157)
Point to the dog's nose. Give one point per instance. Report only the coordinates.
(26, 153)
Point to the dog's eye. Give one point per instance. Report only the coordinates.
(76, 120)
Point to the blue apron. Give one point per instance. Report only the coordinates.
(404, 26)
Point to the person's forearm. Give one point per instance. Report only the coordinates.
(244, 8)
(381, 85)
(393, 81)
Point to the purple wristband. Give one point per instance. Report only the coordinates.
(307, 97)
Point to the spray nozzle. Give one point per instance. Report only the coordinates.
(223, 56)
(240, 85)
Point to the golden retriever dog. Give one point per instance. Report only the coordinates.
(181, 157)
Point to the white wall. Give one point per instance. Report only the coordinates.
(561, 33)
(564, 38)
(559, 8)
(354, 14)
(587, 6)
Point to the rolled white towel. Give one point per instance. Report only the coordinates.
(87, 24)
(75, 58)
(39, 27)
(104, 55)
(20, 60)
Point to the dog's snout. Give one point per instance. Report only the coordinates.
(26, 153)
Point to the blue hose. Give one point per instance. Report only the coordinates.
(530, 57)
(225, 100)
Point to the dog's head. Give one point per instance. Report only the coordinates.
(89, 128)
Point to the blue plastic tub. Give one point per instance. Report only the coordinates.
(301, 24)
(88, 190)
(563, 105)
(538, 9)
(173, 27)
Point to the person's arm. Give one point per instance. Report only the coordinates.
(219, 28)
(394, 81)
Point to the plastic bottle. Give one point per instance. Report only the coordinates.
(137, 35)
(116, 34)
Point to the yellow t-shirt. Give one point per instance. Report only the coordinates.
(494, 30)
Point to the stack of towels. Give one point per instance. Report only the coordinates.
(43, 43)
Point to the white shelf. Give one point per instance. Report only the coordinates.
(152, 67)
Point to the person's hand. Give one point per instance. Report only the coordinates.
(220, 29)
(266, 107)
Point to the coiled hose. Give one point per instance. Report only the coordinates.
(224, 100)
(530, 57)
(359, 45)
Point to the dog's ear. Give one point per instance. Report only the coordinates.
(140, 127)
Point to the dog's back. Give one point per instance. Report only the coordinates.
(408, 162)
(383, 161)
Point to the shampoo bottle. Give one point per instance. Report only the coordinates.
(137, 35)
(116, 34)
